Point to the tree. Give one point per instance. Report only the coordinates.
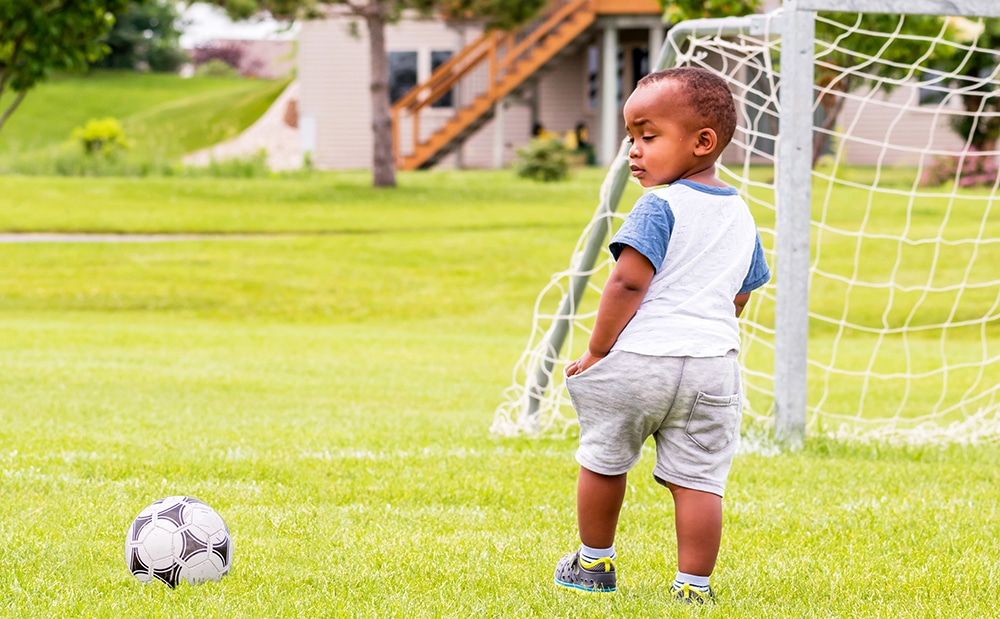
(145, 36)
(38, 37)
(679, 10)
(845, 40)
(376, 14)
(848, 31)
(981, 129)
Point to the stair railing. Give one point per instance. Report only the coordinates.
(477, 76)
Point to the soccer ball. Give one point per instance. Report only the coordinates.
(178, 538)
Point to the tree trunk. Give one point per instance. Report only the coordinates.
(13, 106)
(384, 165)
(832, 106)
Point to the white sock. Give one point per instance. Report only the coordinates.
(695, 581)
(592, 554)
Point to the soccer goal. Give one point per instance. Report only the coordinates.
(867, 150)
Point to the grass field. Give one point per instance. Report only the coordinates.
(324, 374)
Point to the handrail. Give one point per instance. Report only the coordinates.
(555, 19)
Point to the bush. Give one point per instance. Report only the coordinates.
(216, 68)
(101, 137)
(231, 53)
(978, 170)
(543, 160)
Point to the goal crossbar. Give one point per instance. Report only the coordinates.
(964, 8)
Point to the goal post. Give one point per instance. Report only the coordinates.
(795, 188)
(883, 319)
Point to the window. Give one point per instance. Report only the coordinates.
(402, 74)
(438, 58)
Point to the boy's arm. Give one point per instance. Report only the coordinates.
(620, 299)
(740, 302)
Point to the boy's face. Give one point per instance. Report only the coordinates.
(666, 144)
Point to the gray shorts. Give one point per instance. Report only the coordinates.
(691, 406)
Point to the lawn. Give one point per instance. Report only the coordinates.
(163, 116)
(323, 370)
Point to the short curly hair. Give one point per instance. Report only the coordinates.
(707, 95)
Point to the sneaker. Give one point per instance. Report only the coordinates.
(596, 577)
(690, 594)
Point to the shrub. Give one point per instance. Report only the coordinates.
(216, 68)
(977, 170)
(231, 53)
(543, 160)
(101, 137)
(228, 53)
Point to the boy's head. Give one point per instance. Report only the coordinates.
(679, 121)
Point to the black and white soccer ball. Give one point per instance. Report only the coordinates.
(178, 538)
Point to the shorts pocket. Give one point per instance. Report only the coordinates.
(714, 421)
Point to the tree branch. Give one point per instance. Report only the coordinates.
(13, 106)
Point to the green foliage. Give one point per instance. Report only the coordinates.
(895, 54)
(500, 14)
(251, 166)
(37, 39)
(981, 126)
(675, 11)
(101, 137)
(543, 160)
(145, 37)
(216, 67)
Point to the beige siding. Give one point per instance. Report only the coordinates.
(334, 67)
(333, 71)
(563, 95)
(882, 131)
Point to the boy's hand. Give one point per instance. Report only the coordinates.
(581, 364)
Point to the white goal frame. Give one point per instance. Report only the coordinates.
(796, 27)
(794, 165)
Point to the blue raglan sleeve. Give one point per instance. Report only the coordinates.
(759, 274)
(647, 230)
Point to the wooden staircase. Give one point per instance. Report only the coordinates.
(479, 76)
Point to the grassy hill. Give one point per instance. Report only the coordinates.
(164, 116)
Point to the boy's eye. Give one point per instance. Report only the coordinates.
(648, 138)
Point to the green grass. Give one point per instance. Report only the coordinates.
(163, 116)
(327, 383)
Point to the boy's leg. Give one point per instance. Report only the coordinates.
(598, 504)
(698, 519)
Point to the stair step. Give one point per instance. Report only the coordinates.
(467, 120)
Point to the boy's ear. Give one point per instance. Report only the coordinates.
(707, 141)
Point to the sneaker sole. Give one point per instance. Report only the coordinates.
(585, 590)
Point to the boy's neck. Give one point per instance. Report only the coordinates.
(705, 177)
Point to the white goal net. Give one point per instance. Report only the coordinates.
(904, 272)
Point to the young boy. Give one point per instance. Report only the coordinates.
(662, 360)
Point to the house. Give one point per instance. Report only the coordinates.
(493, 89)
(467, 98)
